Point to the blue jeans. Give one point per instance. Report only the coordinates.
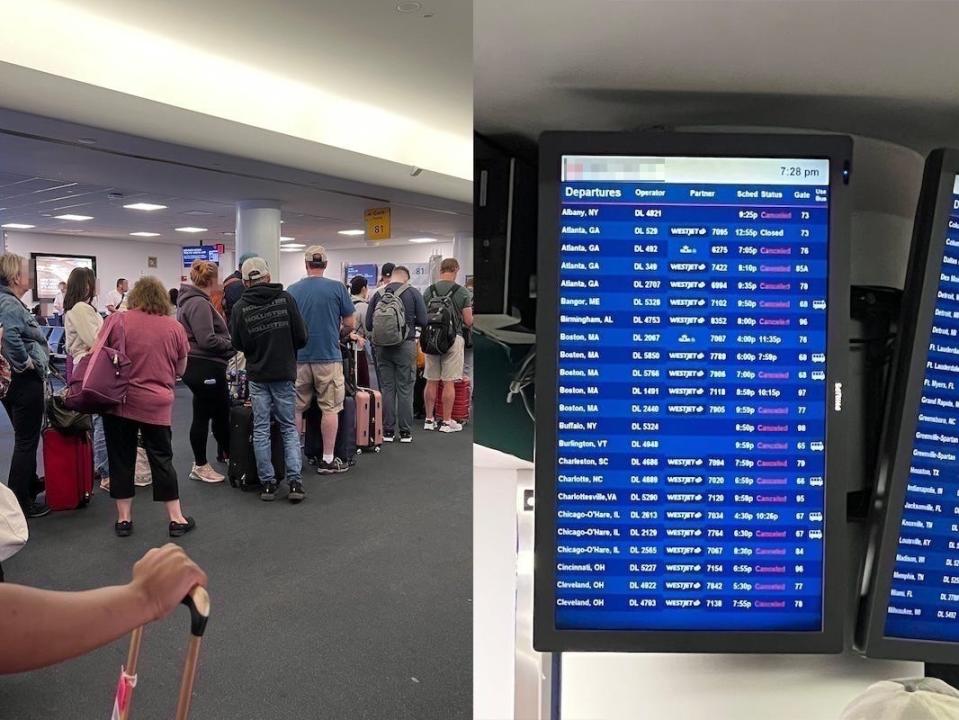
(100, 463)
(276, 400)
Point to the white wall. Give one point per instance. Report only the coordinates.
(115, 258)
(292, 265)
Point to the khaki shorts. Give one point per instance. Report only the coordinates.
(448, 367)
(323, 381)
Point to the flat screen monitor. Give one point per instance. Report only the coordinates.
(691, 339)
(910, 601)
(50, 270)
(200, 252)
(367, 270)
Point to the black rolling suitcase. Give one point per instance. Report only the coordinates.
(241, 471)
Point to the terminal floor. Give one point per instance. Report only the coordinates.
(354, 604)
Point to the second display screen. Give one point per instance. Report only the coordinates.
(690, 481)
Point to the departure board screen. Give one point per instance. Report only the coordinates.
(691, 393)
(923, 602)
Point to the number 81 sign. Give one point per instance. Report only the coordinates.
(377, 223)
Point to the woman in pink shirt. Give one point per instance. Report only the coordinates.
(157, 347)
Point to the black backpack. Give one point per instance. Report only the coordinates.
(442, 323)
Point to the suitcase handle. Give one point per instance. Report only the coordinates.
(198, 601)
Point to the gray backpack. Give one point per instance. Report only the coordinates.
(389, 318)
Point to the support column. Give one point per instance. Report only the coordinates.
(258, 231)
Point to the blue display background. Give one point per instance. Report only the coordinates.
(924, 595)
(690, 482)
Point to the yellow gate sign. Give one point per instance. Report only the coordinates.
(377, 223)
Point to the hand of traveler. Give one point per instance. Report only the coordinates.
(163, 577)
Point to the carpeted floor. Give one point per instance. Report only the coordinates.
(354, 604)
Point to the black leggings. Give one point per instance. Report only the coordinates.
(24, 405)
(211, 404)
(121, 436)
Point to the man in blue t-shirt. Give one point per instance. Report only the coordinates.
(326, 306)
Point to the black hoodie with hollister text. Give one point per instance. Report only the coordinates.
(268, 329)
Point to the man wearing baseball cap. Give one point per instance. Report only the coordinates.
(233, 286)
(326, 306)
(267, 327)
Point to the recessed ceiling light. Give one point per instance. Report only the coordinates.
(191, 229)
(288, 248)
(423, 240)
(227, 233)
(284, 239)
(145, 206)
(145, 234)
(17, 226)
(295, 246)
(408, 7)
(75, 218)
(351, 232)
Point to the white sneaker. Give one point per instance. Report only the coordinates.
(430, 424)
(450, 426)
(206, 474)
(143, 483)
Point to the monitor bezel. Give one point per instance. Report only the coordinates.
(35, 278)
(922, 283)
(553, 145)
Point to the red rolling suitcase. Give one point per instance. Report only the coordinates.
(461, 401)
(369, 420)
(68, 467)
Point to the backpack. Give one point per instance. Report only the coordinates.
(389, 318)
(442, 323)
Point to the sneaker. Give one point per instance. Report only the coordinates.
(388, 436)
(268, 492)
(331, 468)
(406, 436)
(450, 426)
(124, 528)
(205, 473)
(181, 529)
(430, 424)
(145, 482)
(297, 493)
(35, 510)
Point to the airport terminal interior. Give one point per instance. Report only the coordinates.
(357, 601)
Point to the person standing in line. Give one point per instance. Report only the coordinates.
(267, 328)
(157, 347)
(449, 367)
(58, 301)
(82, 323)
(233, 286)
(326, 307)
(24, 346)
(401, 311)
(386, 273)
(359, 290)
(116, 296)
(174, 298)
(210, 350)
